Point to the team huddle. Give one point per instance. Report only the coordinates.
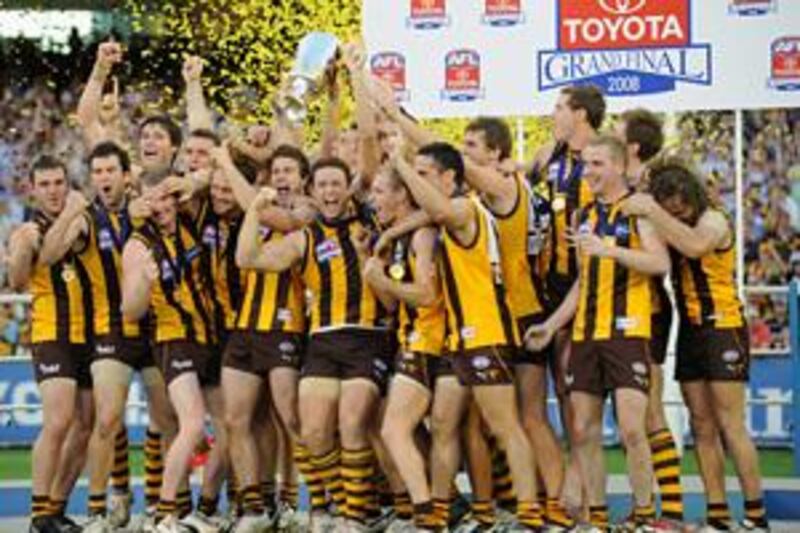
(376, 314)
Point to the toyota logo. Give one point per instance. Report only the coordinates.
(622, 7)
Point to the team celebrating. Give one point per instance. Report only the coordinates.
(374, 316)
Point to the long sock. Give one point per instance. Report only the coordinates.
(556, 514)
(288, 493)
(97, 504)
(403, 510)
(183, 501)
(502, 484)
(252, 501)
(718, 515)
(755, 512)
(529, 514)
(667, 469)
(153, 467)
(380, 493)
(314, 483)
(232, 492)
(598, 516)
(425, 517)
(483, 513)
(644, 513)
(40, 505)
(328, 467)
(441, 511)
(164, 509)
(268, 495)
(57, 507)
(121, 473)
(208, 506)
(357, 469)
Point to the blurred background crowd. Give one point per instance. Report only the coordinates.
(39, 89)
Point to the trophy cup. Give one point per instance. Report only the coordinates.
(314, 55)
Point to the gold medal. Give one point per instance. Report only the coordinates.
(68, 274)
(397, 271)
(559, 203)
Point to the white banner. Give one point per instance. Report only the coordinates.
(449, 58)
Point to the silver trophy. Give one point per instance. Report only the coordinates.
(314, 55)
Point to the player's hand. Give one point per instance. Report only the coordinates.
(639, 204)
(382, 96)
(265, 198)
(108, 54)
(354, 56)
(182, 187)
(75, 202)
(258, 135)
(539, 336)
(592, 245)
(140, 208)
(26, 235)
(192, 69)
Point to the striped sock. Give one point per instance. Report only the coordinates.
(121, 473)
(153, 467)
(502, 484)
(425, 517)
(57, 507)
(252, 500)
(718, 515)
(529, 514)
(403, 509)
(208, 506)
(755, 512)
(164, 509)
(40, 505)
(97, 504)
(232, 492)
(288, 493)
(644, 514)
(329, 470)
(555, 514)
(598, 516)
(483, 513)
(357, 469)
(541, 496)
(667, 469)
(441, 511)
(268, 495)
(314, 483)
(183, 501)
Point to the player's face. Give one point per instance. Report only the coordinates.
(108, 180)
(390, 138)
(429, 170)
(198, 153)
(330, 190)
(602, 171)
(564, 119)
(285, 178)
(155, 147)
(386, 199)
(223, 202)
(50, 188)
(476, 149)
(680, 209)
(164, 208)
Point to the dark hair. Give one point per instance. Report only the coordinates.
(644, 128)
(446, 157)
(495, 132)
(670, 177)
(589, 98)
(330, 162)
(205, 133)
(166, 123)
(46, 162)
(109, 149)
(291, 152)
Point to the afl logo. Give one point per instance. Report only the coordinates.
(785, 64)
(462, 76)
(427, 15)
(502, 13)
(622, 7)
(391, 66)
(752, 8)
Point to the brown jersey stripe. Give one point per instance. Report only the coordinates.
(325, 278)
(455, 301)
(353, 270)
(281, 298)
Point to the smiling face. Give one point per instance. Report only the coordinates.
(164, 207)
(389, 199)
(285, 178)
(223, 201)
(330, 188)
(50, 188)
(602, 172)
(108, 180)
(155, 147)
(198, 152)
(429, 170)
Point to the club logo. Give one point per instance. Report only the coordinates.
(625, 47)
(104, 240)
(785, 64)
(502, 12)
(428, 15)
(752, 8)
(391, 66)
(166, 270)
(481, 362)
(327, 250)
(462, 76)
(210, 236)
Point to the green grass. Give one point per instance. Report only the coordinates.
(16, 464)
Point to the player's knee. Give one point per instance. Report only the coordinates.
(583, 431)
(443, 428)
(237, 422)
(704, 428)
(316, 438)
(192, 429)
(108, 422)
(633, 436)
(353, 429)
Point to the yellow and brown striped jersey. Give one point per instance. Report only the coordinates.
(478, 314)
(567, 191)
(272, 301)
(706, 290)
(331, 272)
(522, 235)
(179, 303)
(61, 297)
(420, 329)
(102, 258)
(220, 237)
(614, 301)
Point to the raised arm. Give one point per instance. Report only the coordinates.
(502, 191)
(139, 272)
(22, 245)
(66, 229)
(243, 191)
(382, 97)
(108, 54)
(276, 255)
(198, 114)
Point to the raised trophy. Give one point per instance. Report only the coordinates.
(315, 53)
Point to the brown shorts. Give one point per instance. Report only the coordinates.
(484, 366)
(522, 356)
(260, 352)
(62, 360)
(181, 357)
(597, 367)
(133, 352)
(709, 354)
(415, 366)
(350, 354)
(659, 338)
(440, 366)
